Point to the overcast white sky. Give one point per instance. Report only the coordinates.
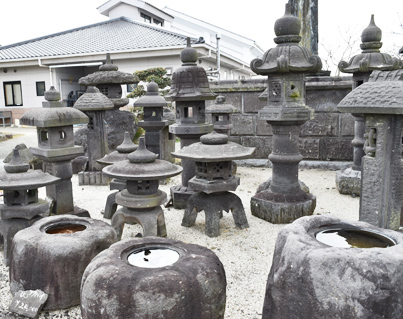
(26, 19)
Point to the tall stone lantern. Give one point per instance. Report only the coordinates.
(361, 65)
(190, 90)
(285, 66)
(54, 124)
(153, 105)
(380, 100)
(221, 115)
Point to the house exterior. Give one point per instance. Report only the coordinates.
(138, 36)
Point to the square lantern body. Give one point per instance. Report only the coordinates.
(20, 197)
(110, 90)
(55, 137)
(190, 112)
(221, 120)
(360, 78)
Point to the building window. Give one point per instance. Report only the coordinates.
(13, 93)
(157, 22)
(145, 17)
(40, 88)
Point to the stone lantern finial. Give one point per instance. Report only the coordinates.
(371, 36)
(16, 165)
(142, 154)
(287, 28)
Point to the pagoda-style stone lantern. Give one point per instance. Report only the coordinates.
(141, 199)
(361, 65)
(153, 105)
(221, 115)
(190, 90)
(54, 123)
(21, 207)
(214, 181)
(109, 81)
(94, 104)
(285, 67)
(121, 153)
(380, 100)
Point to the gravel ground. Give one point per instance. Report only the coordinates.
(246, 254)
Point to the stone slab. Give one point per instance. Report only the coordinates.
(336, 149)
(324, 124)
(263, 145)
(28, 303)
(243, 124)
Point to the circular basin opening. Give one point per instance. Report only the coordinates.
(153, 257)
(354, 238)
(65, 229)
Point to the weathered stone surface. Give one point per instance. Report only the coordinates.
(348, 182)
(192, 287)
(324, 96)
(118, 122)
(309, 279)
(263, 145)
(55, 263)
(309, 148)
(263, 128)
(346, 125)
(324, 124)
(336, 149)
(28, 303)
(243, 125)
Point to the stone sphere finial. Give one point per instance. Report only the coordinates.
(288, 27)
(52, 94)
(189, 54)
(214, 138)
(371, 36)
(152, 88)
(142, 154)
(220, 99)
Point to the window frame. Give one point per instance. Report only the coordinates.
(146, 18)
(38, 90)
(5, 83)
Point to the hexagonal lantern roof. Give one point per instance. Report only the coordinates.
(151, 98)
(382, 94)
(142, 165)
(287, 56)
(108, 73)
(370, 58)
(53, 113)
(18, 176)
(93, 100)
(214, 147)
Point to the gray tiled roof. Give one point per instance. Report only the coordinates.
(108, 36)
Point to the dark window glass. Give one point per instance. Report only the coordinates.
(40, 88)
(12, 93)
(145, 17)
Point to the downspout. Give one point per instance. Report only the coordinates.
(218, 37)
(50, 71)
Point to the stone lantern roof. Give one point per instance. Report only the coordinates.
(382, 94)
(93, 100)
(151, 98)
(287, 56)
(221, 107)
(108, 73)
(53, 113)
(214, 147)
(121, 153)
(189, 82)
(370, 58)
(18, 176)
(142, 165)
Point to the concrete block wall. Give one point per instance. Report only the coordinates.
(327, 137)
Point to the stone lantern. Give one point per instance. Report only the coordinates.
(94, 104)
(54, 124)
(109, 81)
(141, 199)
(190, 90)
(285, 66)
(121, 153)
(221, 115)
(214, 180)
(21, 207)
(153, 122)
(380, 100)
(361, 65)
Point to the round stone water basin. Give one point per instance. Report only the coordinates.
(353, 238)
(153, 257)
(65, 229)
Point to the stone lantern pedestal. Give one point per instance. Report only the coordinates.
(381, 101)
(285, 66)
(361, 65)
(141, 199)
(56, 148)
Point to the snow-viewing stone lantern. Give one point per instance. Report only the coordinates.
(285, 66)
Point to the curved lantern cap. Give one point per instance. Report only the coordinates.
(214, 147)
(108, 73)
(151, 98)
(18, 176)
(142, 165)
(370, 58)
(382, 94)
(53, 113)
(288, 56)
(93, 100)
(190, 82)
(121, 153)
(221, 107)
